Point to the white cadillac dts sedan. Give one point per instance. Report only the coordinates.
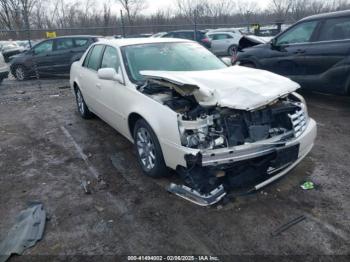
(221, 128)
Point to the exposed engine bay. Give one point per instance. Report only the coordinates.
(212, 128)
(208, 128)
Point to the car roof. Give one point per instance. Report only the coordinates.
(140, 41)
(185, 31)
(76, 36)
(328, 15)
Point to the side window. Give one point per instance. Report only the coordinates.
(335, 29)
(170, 35)
(43, 47)
(221, 36)
(301, 33)
(86, 61)
(110, 58)
(95, 57)
(63, 44)
(80, 42)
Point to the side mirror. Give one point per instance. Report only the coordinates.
(110, 74)
(274, 42)
(227, 61)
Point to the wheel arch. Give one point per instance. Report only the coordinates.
(132, 119)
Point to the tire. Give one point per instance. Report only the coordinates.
(249, 64)
(148, 150)
(232, 50)
(20, 73)
(81, 105)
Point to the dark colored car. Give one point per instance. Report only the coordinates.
(189, 34)
(315, 52)
(51, 57)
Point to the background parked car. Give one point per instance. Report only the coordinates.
(224, 43)
(159, 34)
(201, 36)
(3, 69)
(51, 57)
(10, 48)
(315, 52)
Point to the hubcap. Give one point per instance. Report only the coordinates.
(19, 73)
(145, 148)
(80, 102)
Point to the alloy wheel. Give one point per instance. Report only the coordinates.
(80, 102)
(146, 149)
(20, 75)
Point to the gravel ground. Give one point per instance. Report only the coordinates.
(46, 150)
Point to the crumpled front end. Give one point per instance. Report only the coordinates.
(244, 136)
(242, 149)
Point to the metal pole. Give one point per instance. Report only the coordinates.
(195, 24)
(122, 21)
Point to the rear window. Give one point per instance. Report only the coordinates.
(80, 42)
(64, 44)
(335, 29)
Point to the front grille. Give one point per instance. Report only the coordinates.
(299, 121)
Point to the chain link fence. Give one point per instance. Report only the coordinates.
(37, 34)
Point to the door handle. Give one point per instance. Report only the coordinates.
(98, 85)
(300, 51)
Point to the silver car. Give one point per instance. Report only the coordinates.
(224, 43)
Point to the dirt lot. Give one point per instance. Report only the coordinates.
(46, 150)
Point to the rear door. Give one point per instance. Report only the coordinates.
(61, 56)
(327, 59)
(112, 92)
(89, 81)
(287, 55)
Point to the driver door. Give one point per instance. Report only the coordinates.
(289, 49)
(42, 58)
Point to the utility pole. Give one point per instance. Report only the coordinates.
(195, 23)
(122, 21)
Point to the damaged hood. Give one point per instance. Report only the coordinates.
(234, 87)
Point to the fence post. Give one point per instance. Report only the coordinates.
(122, 21)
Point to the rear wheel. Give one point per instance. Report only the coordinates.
(82, 107)
(21, 73)
(232, 50)
(149, 152)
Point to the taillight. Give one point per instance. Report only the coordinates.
(206, 40)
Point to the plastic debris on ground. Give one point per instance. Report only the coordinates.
(27, 231)
(308, 185)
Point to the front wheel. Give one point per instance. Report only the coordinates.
(82, 107)
(149, 152)
(21, 73)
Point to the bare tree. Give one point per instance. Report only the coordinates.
(281, 8)
(133, 8)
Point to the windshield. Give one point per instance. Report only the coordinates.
(168, 57)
